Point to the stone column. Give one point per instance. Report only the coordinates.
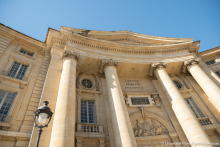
(189, 123)
(123, 132)
(63, 131)
(208, 86)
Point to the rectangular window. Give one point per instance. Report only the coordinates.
(17, 70)
(218, 73)
(6, 100)
(210, 62)
(194, 108)
(26, 53)
(88, 114)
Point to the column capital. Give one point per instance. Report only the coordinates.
(155, 66)
(106, 63)
(70, 55)
(189, 63)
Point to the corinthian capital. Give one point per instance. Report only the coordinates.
(155, 66)
(189, 63)
(106, 63)
(70, 54)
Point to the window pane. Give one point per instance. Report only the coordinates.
(194, 108)
(18, 70)
(88, 111)
(26, 53)
(14, 69)
(6, 101)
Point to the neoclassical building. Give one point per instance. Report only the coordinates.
(108, 89)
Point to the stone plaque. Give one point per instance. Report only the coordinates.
(139, 100)
(136, 100)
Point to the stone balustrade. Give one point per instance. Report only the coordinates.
(204, 121)
(89, 127)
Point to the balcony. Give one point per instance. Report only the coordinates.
(89, 127)
(204, 121)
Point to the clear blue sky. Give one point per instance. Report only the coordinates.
(197, 19)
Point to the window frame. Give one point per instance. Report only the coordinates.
(211, 62)
(27, 52)
(196, 107)
(218, 73)
(94, 98)
(19, 68)
(87, 109)
(18, 93)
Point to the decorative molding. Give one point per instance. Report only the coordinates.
(106, 63)
(155, 66)
(70, 54)
(187, 86)
(87, 74)
(131, 51)
(189, 63)
(148, 127)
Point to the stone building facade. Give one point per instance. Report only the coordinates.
(108, 89)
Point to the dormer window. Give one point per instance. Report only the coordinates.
(26, 53)
(211, 62)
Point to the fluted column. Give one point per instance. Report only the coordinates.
(189, 123)
(123, 133)
(209, 87)
(63, 131)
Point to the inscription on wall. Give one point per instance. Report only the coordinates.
(133, 84)
(139, 100)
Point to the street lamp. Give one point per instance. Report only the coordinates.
(42, 113)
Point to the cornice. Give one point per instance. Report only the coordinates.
(129, 49)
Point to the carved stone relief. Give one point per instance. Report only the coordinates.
(148, 127)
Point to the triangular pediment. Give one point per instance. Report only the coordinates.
(126, 37)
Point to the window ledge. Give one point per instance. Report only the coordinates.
(21, 82)
(15, 134)
(90, 134)
(5, 126)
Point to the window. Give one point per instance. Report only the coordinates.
(17, 70)
(6, 100)
(194, 108)
(88, 114)
(87, 83)
(210, 62)
(218, 73)
(26, 53)
(177, 84)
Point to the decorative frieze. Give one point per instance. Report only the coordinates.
(189, 63)
(155, 66)
(148, 127)
(106, 63)
(70, 54)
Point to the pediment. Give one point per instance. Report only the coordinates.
(126, 37)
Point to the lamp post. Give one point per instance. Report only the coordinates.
(42, 113)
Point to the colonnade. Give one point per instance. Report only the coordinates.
(64, 119)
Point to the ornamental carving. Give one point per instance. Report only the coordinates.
(90, 75)
(106, 63)
(189, 63)
(70, 54)
(155, 66)
(148, 127)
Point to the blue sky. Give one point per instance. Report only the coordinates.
(197, 19)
